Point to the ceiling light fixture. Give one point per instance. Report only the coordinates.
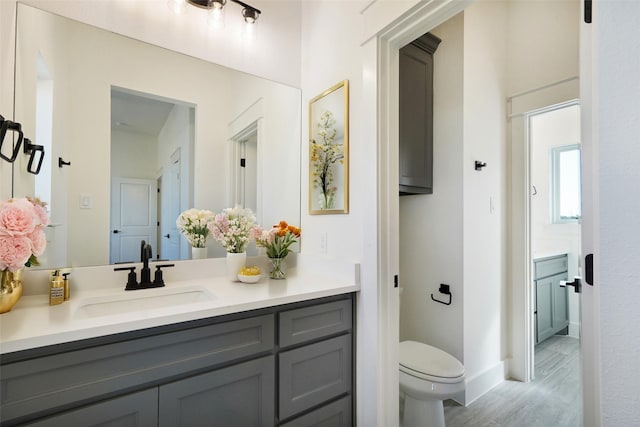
(249, 13)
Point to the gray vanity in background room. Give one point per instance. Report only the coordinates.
(551, 306)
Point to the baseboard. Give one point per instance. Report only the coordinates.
(574, 329)
(480, 384)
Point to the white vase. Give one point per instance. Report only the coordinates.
(198, 253)
(235, 262)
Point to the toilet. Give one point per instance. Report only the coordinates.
(428, 376)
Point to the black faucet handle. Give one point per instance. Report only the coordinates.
(132, 279)
(157, 277)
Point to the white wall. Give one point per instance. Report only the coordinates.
(484, 204)
(431, 233)
(330, 56)
(542, 42)
(7, 48)
(274, 52)
(331, 52)
(617, 120)
(133, 155)
(178, 133)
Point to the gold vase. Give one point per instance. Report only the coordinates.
(10, 289)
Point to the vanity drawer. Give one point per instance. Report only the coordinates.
(43, 383)
(550, 266)
(314, 374)
(336, 414)
(318, 321)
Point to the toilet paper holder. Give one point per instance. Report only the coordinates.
(444, 289)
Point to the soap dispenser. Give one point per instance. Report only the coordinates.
(56, 289)
(66, 285)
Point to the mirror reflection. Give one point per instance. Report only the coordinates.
(133, 118)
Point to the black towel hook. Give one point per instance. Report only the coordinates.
(444, 289)
(479, 165)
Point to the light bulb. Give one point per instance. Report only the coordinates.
(250, 15)
(217, 17)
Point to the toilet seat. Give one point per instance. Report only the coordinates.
(424, 361)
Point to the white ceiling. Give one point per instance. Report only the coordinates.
(135, 113)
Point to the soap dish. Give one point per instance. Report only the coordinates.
(249, 279)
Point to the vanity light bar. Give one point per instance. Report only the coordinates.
(249, 13)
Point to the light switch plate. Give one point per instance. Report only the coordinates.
(86, 201)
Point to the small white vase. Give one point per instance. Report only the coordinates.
(198, 253)
(235, 263)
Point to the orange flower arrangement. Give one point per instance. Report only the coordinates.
(277, 240)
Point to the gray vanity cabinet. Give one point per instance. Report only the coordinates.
(281, 365)
(416, 115)
(552, 313)
(238, 396)
(136, 410)
(315, 364)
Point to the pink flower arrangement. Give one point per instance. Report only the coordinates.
(22, 237)
(232, 228)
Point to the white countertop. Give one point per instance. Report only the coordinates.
(34, 323)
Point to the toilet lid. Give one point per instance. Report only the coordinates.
(424, 361)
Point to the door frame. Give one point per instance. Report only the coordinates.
(380, 59)
(381, 77)
(529, 291)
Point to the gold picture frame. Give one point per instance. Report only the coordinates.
(329, 151)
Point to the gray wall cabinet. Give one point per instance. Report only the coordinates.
(285, 365)
(416, 115)
(552, 312)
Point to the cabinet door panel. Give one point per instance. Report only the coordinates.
(240, 395)
(560, 303)
(416, 120)
(544, 309)
(133, 410)
(314, 374)
(40, 384)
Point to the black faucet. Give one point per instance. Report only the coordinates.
(145, 272)
(145, 255)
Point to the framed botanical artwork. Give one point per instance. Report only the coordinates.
(329, 151)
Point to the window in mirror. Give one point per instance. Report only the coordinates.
(565, 184)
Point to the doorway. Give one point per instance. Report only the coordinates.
(151, 142)
(555, 215)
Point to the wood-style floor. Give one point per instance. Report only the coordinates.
(553, 399)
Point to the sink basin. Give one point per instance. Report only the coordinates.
(141, 300)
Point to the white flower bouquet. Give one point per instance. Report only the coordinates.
(193, 224)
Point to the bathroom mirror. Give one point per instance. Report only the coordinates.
(71, 76)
